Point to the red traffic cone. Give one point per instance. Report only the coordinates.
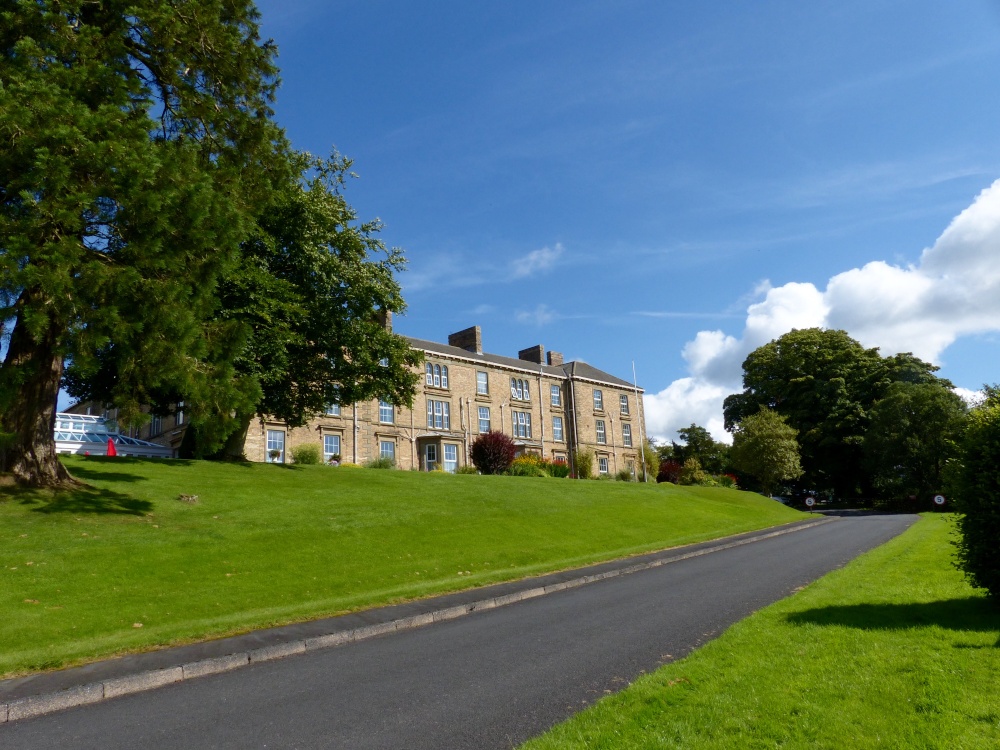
(112, 451)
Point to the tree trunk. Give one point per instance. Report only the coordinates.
(35, 369)
(235, 446)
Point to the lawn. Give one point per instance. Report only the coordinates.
(127, 566)
(893, 651)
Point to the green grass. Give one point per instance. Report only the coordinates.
(893, 651)
(267, 545)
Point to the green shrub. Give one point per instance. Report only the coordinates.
(307, 455)
(728, 481)
(691, 472)
(493, 452)
(559, 469)
(977, 496)
(470, 469)
(382, 462)
(527, 466)
(584, 463)
(624, 475)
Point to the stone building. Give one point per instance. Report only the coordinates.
(549, 408)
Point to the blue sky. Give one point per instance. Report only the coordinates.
(670, 183)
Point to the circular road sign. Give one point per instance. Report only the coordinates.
(939, 500)
(810, 502)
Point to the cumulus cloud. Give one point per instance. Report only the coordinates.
(953, 291)
(536, 261)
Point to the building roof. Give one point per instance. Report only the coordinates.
(574, 369)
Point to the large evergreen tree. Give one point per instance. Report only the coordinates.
(135, 137)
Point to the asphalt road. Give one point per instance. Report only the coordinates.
(489, 680)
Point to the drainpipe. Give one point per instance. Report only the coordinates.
(468, 431)
(355, 441)
(541, 413)
(413, 440)
(614, 449)
(641, 413)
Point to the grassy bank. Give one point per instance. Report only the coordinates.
(893, 651)
(127, 566)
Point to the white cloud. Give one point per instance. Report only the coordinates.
(540, 316)
(953, 291)
(536, 261)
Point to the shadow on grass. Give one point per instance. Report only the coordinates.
(82, 500)
(969, 614)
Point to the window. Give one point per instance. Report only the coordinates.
(156, 426)
(555, 395)
(484, 419)
(520, 389)
(450, 458)
(179, 418)
(436, 376)
(627, 435)
(333, 410)
(387, 449)
(598, 400)
(386, 413)
(521, 421)
(431, 452)
(331, 447)
(557, 433)
(624, 402)
(602, 464)
(482, 383)
(601, 437)
(438, 415)
(275, 446)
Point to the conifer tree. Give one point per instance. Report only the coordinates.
(134, 140)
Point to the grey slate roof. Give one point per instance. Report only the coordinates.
(573, 369)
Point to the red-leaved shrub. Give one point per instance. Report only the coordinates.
(670, 471)
(493, 452)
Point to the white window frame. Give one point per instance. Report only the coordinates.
(387, 449)
(179, 416)
(482, 383)
(623, 401)
(430, 456)
(271, 443)
(626, 435)
(521, 424)
(555, 395)
(438, 414)
(332, 410)
(449, 456)
(602, 433)
(386, 412)
(328, 441)
(436, 376)
(484, 420)
(557, 429)
(602, 464)
(598, 399)
(520, 389)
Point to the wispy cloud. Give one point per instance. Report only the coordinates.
(540, 316)
(535, 262)
(679, 314)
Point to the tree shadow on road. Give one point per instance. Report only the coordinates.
(967, 614)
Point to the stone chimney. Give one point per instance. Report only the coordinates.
(534, 354)
(555, 359)
(384, 317)
(471, 339)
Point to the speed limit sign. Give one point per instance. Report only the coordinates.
(810, 501)
(939, 500)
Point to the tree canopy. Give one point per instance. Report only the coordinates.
(764, 446)
(699, 444)
(148, 228)
(825, 384)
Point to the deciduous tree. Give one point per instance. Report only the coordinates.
(764, 446)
